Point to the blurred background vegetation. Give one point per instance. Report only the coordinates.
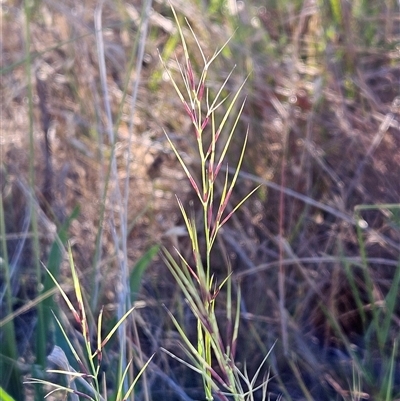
(84, 159)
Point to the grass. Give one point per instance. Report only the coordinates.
(313, 252)
(196, 278)
(89, 371)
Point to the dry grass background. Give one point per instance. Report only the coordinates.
(323, 110)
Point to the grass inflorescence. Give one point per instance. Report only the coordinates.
(197, 279)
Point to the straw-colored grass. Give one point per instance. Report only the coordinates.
(313, 253)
